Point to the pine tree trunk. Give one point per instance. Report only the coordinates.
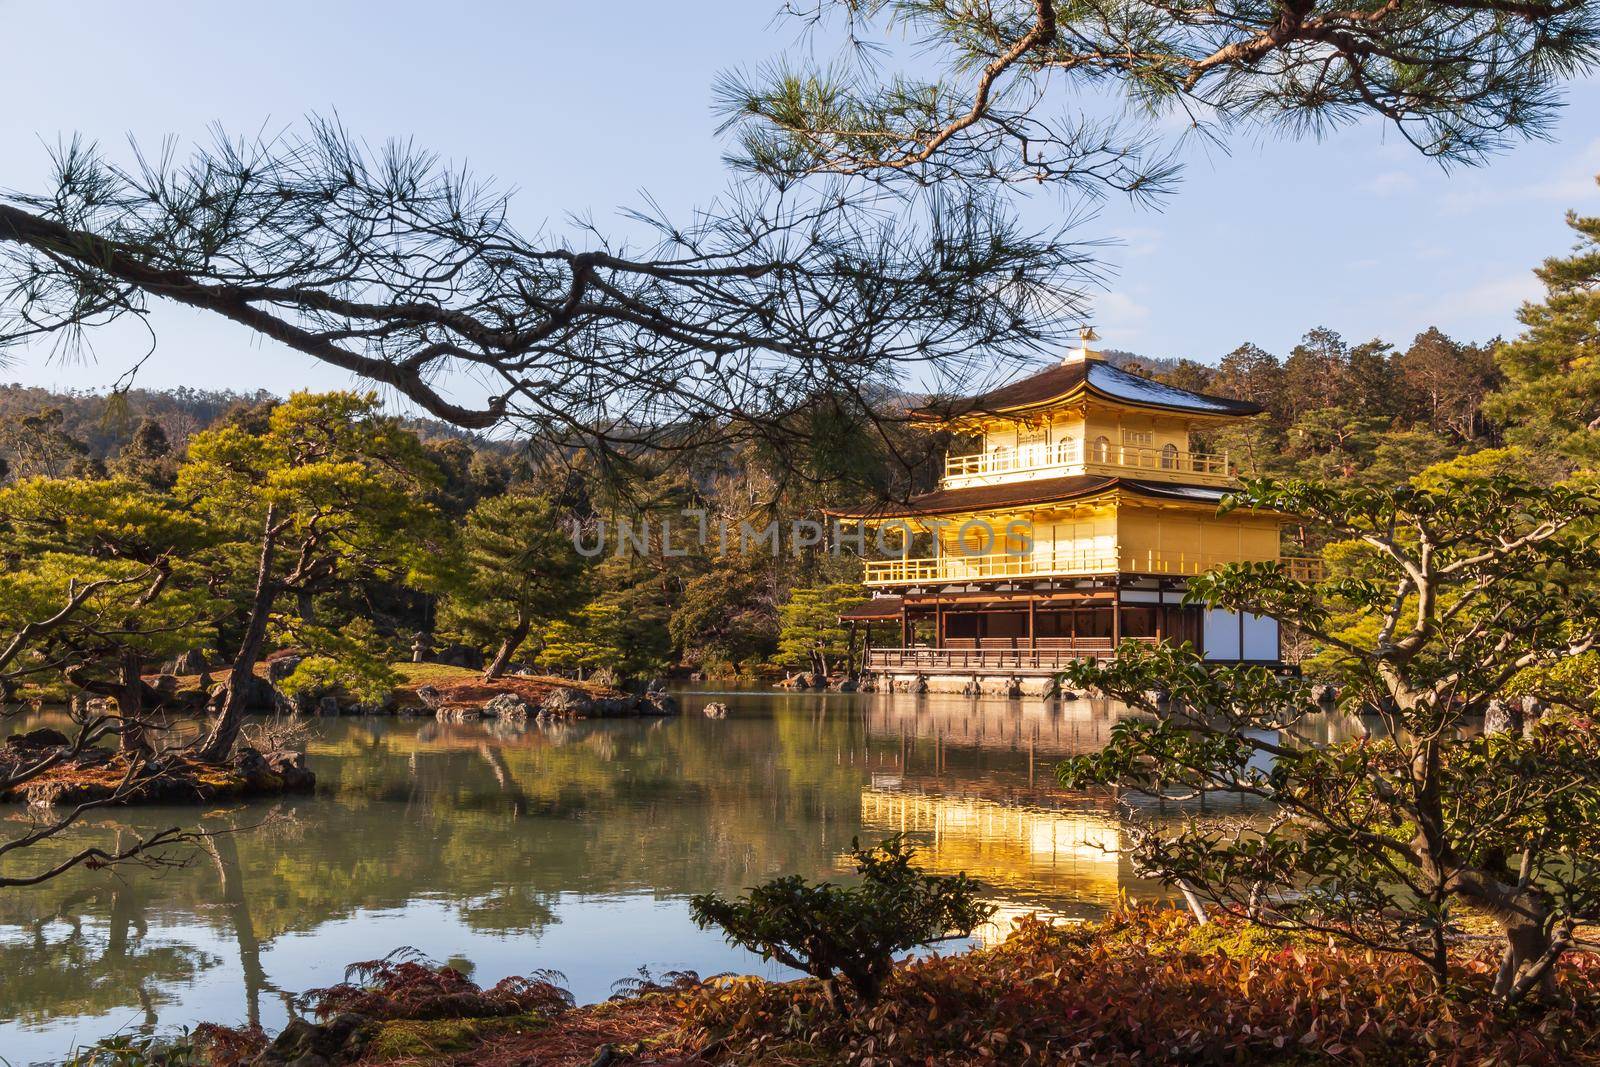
(130, 705)
(507, 649)
(225, 730)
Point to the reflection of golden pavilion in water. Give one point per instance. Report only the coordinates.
(1060, 864)
(972, 786)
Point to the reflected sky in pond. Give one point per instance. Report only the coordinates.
(572, 848)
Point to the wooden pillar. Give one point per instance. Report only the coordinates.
(938, 625)
(1116, 614)
(905, 627)
(850, 656)
(1033, 633)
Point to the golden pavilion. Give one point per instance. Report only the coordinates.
(1072, 529)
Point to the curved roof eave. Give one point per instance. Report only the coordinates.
(1072, 488)
(1065, 383)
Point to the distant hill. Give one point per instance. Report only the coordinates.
(104, 423)
(1133, 362)
(98, 425)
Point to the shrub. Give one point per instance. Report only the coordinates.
(827, 930)
(405, 985)
(1148, 985)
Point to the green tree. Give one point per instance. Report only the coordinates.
(38, 443)
(1445, 590)
(1252, 373)
(99, 580)
(1333, 441)
(1551, 397)
(1315, 374)
(623, 628)
(811, 633)
(725, 614)
(1449, 382)
(354, 661)
(324, 491)
(1371, 380)
(520, 571)
(1190, 375)
(147, 457)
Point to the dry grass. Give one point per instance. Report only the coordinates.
(643, 1030)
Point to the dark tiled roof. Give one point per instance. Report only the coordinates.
(1199, 494)
(1094, 376)
(1037, 491)
(1119, 384)
(879, 607)
(1048, 384)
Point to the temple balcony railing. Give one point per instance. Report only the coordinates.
(1071, 457)
(1043, 654)
(1052, 563)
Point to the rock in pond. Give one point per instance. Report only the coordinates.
(304, 1043)
(566, 702)
(259, 695)
(715, 709)
(510, 707)
(803, 680)
(658, 704)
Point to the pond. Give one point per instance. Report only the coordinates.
(572, 848)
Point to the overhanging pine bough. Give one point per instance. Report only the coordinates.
(1441, 593)
(389, 265)
(1459, 79)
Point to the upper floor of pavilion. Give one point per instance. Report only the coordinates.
(1084, 416)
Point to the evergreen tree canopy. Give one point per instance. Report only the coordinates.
(1551, 399)
(518, 572)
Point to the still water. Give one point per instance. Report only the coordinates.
(573, 848)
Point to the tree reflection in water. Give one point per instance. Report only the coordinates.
(517, 848)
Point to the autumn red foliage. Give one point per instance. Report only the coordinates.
(1149, 986)
(1145, 986)
(402, 988)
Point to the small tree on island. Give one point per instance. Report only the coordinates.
(1442, 592)
(518, 569)
(828, 931)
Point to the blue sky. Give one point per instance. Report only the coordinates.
(582, 107)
